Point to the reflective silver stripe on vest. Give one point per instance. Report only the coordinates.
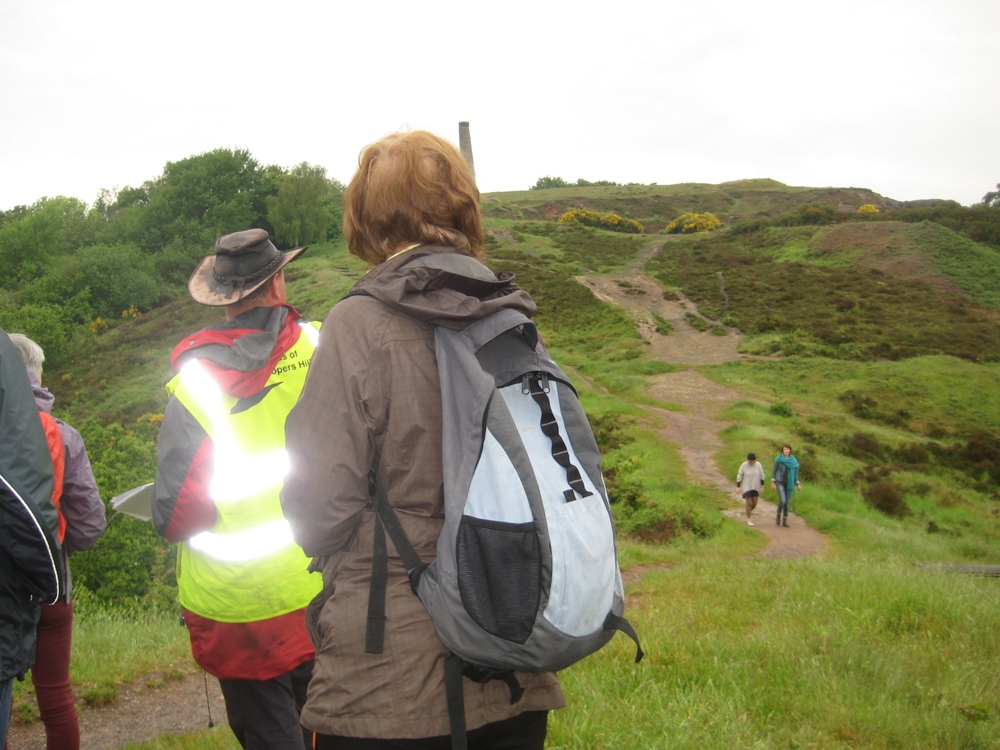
(311, 331)
(244, 545)
(236, 477)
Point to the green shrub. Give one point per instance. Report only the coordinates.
(886, 497)
(806, 214)
(781, 409)
(864, 447)
(46, 324)
(611, 430)
(912, 453)
(749, 226)
(130, 564)
(978, 457)
(118, 277)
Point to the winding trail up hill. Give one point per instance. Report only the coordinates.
(695, 431)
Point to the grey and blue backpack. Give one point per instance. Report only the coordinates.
(526, 576)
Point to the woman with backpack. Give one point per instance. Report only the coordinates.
(785, 479)
(372, 401)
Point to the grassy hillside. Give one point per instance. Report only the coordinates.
(872, 346)
(856, 291)
(656, 205)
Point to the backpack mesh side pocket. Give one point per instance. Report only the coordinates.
(499, 576)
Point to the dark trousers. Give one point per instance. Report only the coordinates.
(50, 675)
(264, 714)
(525, 731)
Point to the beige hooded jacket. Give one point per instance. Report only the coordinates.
(373, 390)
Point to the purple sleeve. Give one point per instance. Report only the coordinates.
(81, 503)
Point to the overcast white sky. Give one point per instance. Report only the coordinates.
(900, 96)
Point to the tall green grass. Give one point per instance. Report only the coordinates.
(115, 647)
(842, 652)
(922, 414)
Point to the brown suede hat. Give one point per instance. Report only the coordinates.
(243, 261)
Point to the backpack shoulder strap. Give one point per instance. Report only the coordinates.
(483, 331)
(386, 520)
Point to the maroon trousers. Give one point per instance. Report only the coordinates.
(50, 674)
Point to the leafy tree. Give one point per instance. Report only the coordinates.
(13, 214)
(992, 198)
(549, 182)
(48, 229)
(195, 200)
(45, 323)
(304, 206)
(118, 277)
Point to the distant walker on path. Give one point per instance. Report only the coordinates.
(749, 480)
(785, 479)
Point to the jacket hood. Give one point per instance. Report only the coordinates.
(43, 398)
(442, 286)
(241, 353)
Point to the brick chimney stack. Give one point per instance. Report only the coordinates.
(465, 144)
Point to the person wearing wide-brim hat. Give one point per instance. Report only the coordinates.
(243, 262)
(221, 462)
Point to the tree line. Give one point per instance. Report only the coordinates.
(65, 266)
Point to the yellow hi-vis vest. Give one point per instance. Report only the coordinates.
(246, 567)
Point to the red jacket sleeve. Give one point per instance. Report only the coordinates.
(182, 506)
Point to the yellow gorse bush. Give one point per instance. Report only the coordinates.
(690, 223)
(868, 208)
(612, 222)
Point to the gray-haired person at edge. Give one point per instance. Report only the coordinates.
(785, 479)
(31, 561)
(81, 523)
(749, 480)
(374, 390)
(241, 579)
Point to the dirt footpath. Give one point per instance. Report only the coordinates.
(141, 713)
(695, 431)
(641, 296)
